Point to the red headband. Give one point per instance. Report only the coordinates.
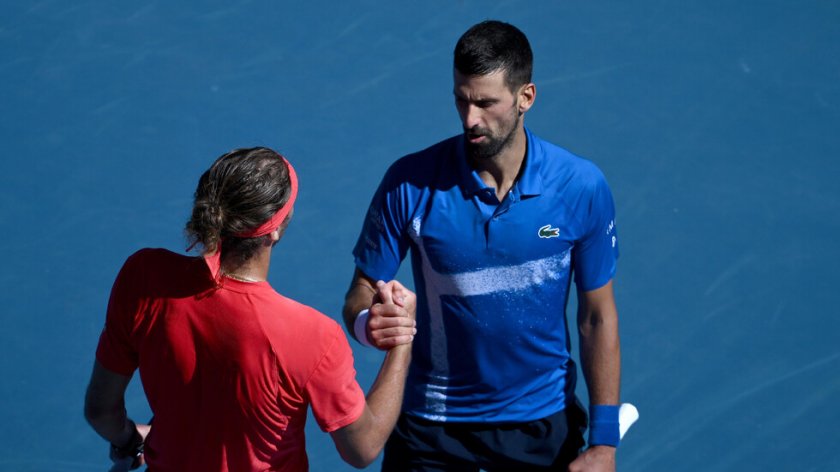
(275, 221)
(214, 260)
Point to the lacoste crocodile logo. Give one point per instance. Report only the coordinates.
(548, 232)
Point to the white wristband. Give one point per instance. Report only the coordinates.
(360, 328)
(627, 415)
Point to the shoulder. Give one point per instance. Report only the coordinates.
(147, 259)
(301, 339)
(423, 167)
(157, 256)
(558, 162)
(307, 319)
(154, 269)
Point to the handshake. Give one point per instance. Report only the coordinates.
(390, 320)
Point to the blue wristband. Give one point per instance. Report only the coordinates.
(603, 425)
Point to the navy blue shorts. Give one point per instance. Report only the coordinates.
(547, 444)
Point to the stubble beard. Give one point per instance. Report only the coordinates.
(492, 146)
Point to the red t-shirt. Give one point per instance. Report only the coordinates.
(229, 372)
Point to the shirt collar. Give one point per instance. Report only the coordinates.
(528, 184)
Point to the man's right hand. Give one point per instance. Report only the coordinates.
(391, 321)
(390, 326)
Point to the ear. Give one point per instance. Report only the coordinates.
(527, 94)
(275, 235)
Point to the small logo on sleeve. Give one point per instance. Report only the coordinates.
(611, 229)
(548, 232)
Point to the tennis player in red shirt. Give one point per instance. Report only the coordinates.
(229, 365)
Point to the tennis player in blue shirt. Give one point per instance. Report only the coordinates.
(498, 223)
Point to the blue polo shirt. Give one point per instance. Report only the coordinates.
(492, 278)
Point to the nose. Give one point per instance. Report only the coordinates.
(470, 116)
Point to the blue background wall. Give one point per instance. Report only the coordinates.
(715, 122)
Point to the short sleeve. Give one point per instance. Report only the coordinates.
(596, 253)
(116, 351)
(383, 244)
(336, 398)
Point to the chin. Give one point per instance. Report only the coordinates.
(482, 151)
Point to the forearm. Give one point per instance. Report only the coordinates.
(360, 443)
(359, 296)
(384, 399)
(114, 427)
(109, 420)
(600, 354)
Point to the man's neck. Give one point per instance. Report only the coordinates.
(253, 270)
(502, 170)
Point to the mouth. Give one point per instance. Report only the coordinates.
(475, 138)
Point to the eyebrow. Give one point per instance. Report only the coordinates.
(485, 100)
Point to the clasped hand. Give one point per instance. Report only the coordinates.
(391, 319)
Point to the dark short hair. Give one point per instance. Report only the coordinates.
(239, 192)
(491, 46)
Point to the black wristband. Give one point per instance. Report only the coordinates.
(133, 448)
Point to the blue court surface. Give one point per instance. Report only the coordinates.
(715, 122)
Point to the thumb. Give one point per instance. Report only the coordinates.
(385, 292)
